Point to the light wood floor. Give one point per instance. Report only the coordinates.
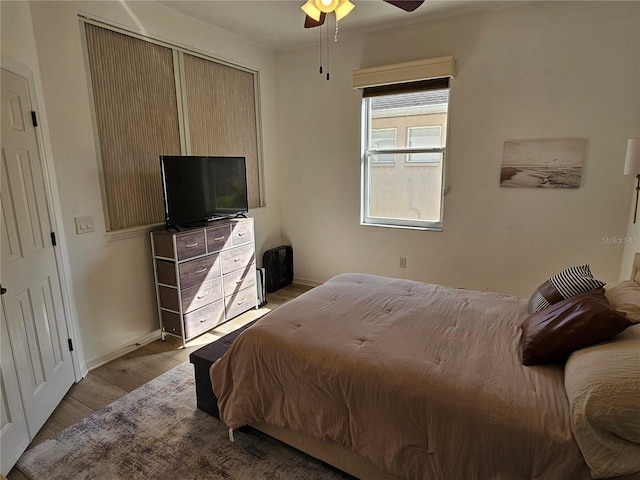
(111, 381)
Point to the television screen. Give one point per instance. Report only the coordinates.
(197, 189)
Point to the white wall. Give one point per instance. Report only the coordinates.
(537, 70)
(112, 281)
(631, 240)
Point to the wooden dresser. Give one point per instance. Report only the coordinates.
(204, 276)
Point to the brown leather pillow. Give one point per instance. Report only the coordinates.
(552, 334)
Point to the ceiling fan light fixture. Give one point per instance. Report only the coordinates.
(343, 8)
(312, 10)
(326, 6)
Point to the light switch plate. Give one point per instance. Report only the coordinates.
(84, 225)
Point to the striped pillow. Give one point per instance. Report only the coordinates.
(568, 283)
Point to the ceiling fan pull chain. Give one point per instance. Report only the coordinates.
(327, 39)
(335, 37)
(320, 50)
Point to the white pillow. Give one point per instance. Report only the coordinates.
(624, 296)
(603, 388)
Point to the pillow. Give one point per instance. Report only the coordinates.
(567, 283)
(550, 335)
(624, 296)
(603, 388)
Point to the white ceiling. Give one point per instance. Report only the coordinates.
(278, 25)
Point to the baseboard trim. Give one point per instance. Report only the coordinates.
(307, 282)
(119, 352)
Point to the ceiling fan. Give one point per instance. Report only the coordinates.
(316, 10)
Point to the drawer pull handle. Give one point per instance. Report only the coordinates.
(217, 239)
(206, 319)
(200, 297)
(236, 260)
(191, 245)
(240, 302)
(242, 234)
(201, 270)
(238, 282)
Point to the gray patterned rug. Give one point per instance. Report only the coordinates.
(156, 432)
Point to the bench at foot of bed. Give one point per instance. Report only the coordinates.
(202, 360)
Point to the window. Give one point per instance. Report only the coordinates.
(152, 99)
(130, 139)
(383, 139)
(425, 137)
(410, 194)
(221, 109)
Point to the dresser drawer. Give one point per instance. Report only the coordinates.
(168, 297)
(166, 272)
(240, 279)
(197, 271)
(162, 244)
(171, 322)
(218, 238)
(242, 232)
(238, 257)
(201, 295)
(203, 319)
(241, 301)
(192, 298)
(189, 245)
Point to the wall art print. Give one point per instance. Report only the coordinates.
(543, 163)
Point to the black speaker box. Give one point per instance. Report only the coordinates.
(278, 263)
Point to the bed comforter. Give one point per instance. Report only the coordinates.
(424, 381)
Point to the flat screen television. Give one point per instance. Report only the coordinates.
(198, 189)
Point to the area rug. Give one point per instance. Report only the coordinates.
(156, 432)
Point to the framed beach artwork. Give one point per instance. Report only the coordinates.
(543, 163)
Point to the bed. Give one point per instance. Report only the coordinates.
(396, 379)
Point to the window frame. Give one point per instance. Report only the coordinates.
(366, 162)
(117, 232)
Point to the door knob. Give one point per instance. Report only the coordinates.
(2, 290)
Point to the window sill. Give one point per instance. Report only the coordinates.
(134, 232)
(406, 227)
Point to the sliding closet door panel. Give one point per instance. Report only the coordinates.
(221, 106)
(137, 120)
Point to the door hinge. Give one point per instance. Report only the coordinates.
(34, 118)
(53, 239)
(70, 345)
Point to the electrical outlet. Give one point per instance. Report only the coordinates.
(403, 262)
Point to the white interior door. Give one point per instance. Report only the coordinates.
(32, 305)
(14, 436)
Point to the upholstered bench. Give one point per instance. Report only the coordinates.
(202, 360)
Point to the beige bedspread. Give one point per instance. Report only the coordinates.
(424, 381)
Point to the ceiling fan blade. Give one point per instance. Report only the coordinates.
(406, 5)
(310, 22)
